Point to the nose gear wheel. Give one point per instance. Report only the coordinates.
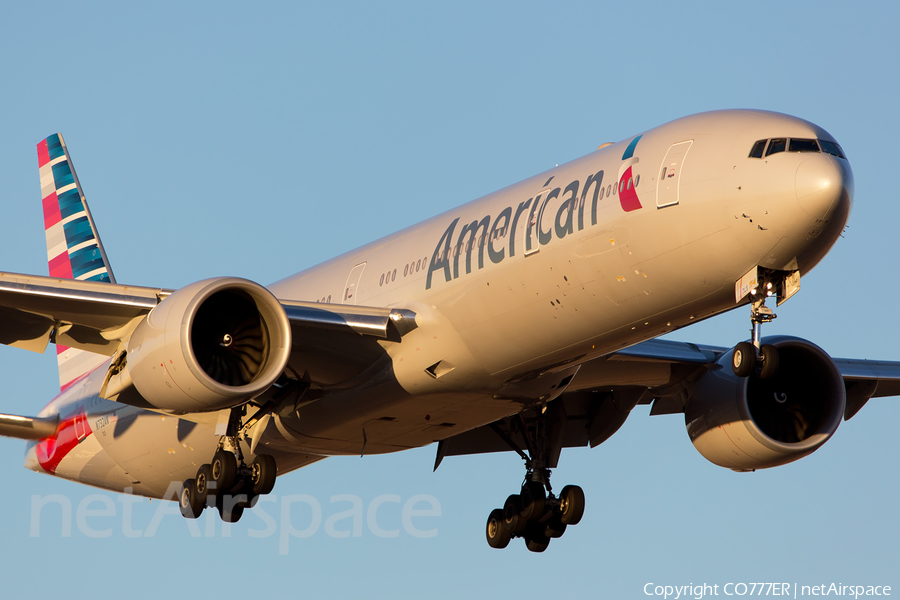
(754, 358)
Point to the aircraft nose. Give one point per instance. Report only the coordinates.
(821, 184)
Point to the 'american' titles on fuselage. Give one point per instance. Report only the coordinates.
(484, 233)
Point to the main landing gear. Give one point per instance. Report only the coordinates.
(753, 357)
(228, 485)
(535, 514)
(227, 482)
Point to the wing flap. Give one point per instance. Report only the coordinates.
(35, 310)
(24, 330)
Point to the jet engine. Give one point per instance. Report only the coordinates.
(210, 345)
(748, 423)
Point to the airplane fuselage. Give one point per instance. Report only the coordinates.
(513, 293)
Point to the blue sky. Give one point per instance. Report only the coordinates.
(230, 139)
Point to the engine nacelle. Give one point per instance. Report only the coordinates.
(750, 423)
(211, 345)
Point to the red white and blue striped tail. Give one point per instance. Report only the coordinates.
(74, 250)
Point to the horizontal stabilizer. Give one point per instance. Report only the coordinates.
(27, 428)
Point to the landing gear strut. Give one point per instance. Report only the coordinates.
(535, 514)
(228, 482)
(754, 356)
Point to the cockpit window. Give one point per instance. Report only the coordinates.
(757, 150)
(801, 145)
(776, 145)
(832, 148)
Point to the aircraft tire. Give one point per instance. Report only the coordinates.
(264, 471)
(202, 481)
(572, 508)
(743, 359)
(189, 500)
(533, 499)
(229, 510)
(224, 471)
(769, 362)
(497, 534)
(512, 520)
(249, 499)
(535, 539)
(555, 528)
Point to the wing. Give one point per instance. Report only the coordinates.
(86, 315)
(658, 372)
(97, 317)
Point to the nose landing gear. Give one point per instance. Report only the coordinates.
(754, 357)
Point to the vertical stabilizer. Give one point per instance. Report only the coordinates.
(74, 250)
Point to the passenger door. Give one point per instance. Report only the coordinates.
(670, 174)
(352, 286)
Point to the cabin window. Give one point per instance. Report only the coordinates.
(405, 270)
(801, 145)
(382, 280)
(776, 145)
(637, 180)
(757, 150)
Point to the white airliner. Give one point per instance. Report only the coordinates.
(522, 321)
